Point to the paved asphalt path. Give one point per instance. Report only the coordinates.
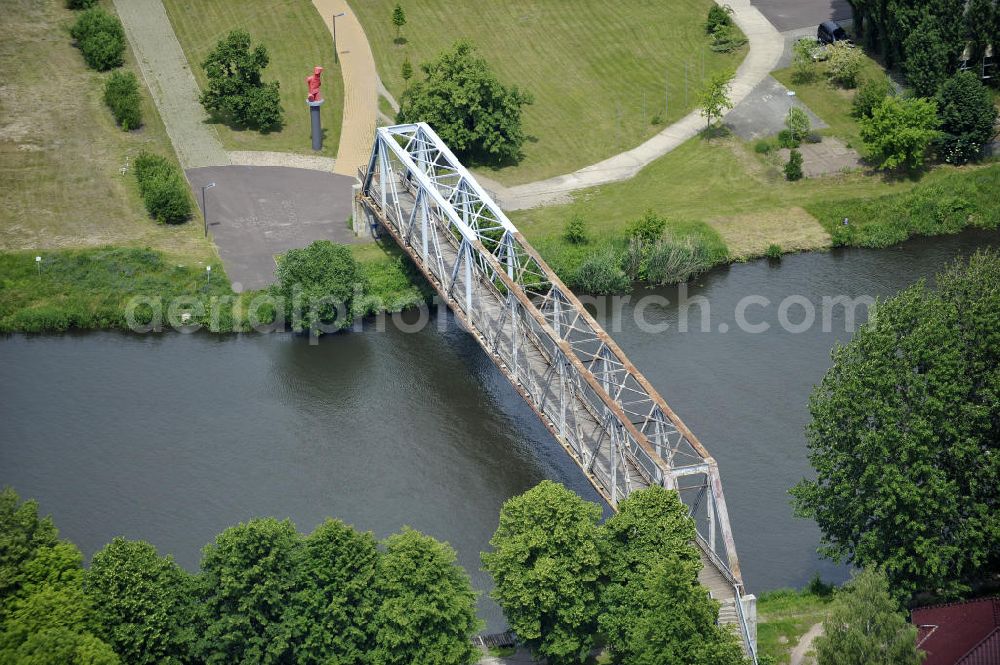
(257, 212)
(793, 14)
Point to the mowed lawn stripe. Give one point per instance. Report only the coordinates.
(296, 39)
(588, 64)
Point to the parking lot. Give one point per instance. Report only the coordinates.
(796, 14)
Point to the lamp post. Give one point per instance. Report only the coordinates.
(336, 53)
(204, 209)
(208, 274)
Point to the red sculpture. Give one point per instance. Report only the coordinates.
(314, 82)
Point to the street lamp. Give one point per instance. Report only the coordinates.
(204, 210)
(336, 53)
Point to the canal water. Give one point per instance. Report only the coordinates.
(171, 438)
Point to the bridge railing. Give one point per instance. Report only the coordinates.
(441, 216)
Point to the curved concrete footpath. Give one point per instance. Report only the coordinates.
(766, 46)
(171, 83)
(357, 66)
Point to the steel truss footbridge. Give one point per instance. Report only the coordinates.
(599, 407)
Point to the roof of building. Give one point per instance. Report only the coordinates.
(966, 633)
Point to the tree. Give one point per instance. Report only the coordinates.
(249, 576)
(23, 534)
(793, 167)
(547, 565)
(870, 94)
(803, 62)
(142, 603)
(968, 117)
(675, 621)
(797, 122)
(927, 59)
(398, 20)
(900, 131)
(406, 70)
(322, 284)
(236, 92)
(905, 434)
(468, 107)
(866, 627)
(844, 64)
(714, 98)
(982, 25)
(427, 608)
(651, 526)
(331, 614)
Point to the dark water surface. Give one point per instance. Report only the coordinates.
(171, 438)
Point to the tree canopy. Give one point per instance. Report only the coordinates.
(714, 97)
(236, 91)
(905, 433)
(321, 285)
(900, 131)
(547, 564)
(865, 626)
(968, 117)
(467, 105)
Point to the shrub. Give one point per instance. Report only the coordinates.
(727, 38)
(80, 4)
(814, 137)
(235, 91)
(718, 15)
(163, 188)
(797, 122)
(576, 230)
(845, 64)
(870, 94)
(121, 94)
(101, 39)
(900, 131)
(647, 228)
(773, 252)
(763, 147)
(787, 140)
(793, 169)
(804, 60)
(601, 274)
(671, 261)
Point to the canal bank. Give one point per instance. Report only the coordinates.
(171, 438)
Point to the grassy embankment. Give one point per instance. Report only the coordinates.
(296, 39)
(783, 616)
(598, 71)
(62, 195)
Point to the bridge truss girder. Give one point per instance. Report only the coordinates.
(600, 408)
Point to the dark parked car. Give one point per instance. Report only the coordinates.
(829, 32)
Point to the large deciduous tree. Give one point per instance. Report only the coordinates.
(905, 436)
(899, 132)
(143, 603)
(249, 576)
(968, 117)
(321, 285)
(866, 626)
(547, 564)
(331, 615)
(236, 91)
(653, 610)
(467, 105)
(427, 608)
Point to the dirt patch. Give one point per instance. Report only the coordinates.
(830, 156)
(792, 229)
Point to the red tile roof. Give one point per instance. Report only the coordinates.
(960, 633)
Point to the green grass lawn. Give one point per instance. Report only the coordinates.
(829, 101)
(60, 183)
(598, 71)
(783, 616)
(296, 39)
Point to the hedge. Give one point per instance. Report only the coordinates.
(164, 189)
(101, 39)
(121, 94)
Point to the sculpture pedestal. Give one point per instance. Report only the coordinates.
(317, 128)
